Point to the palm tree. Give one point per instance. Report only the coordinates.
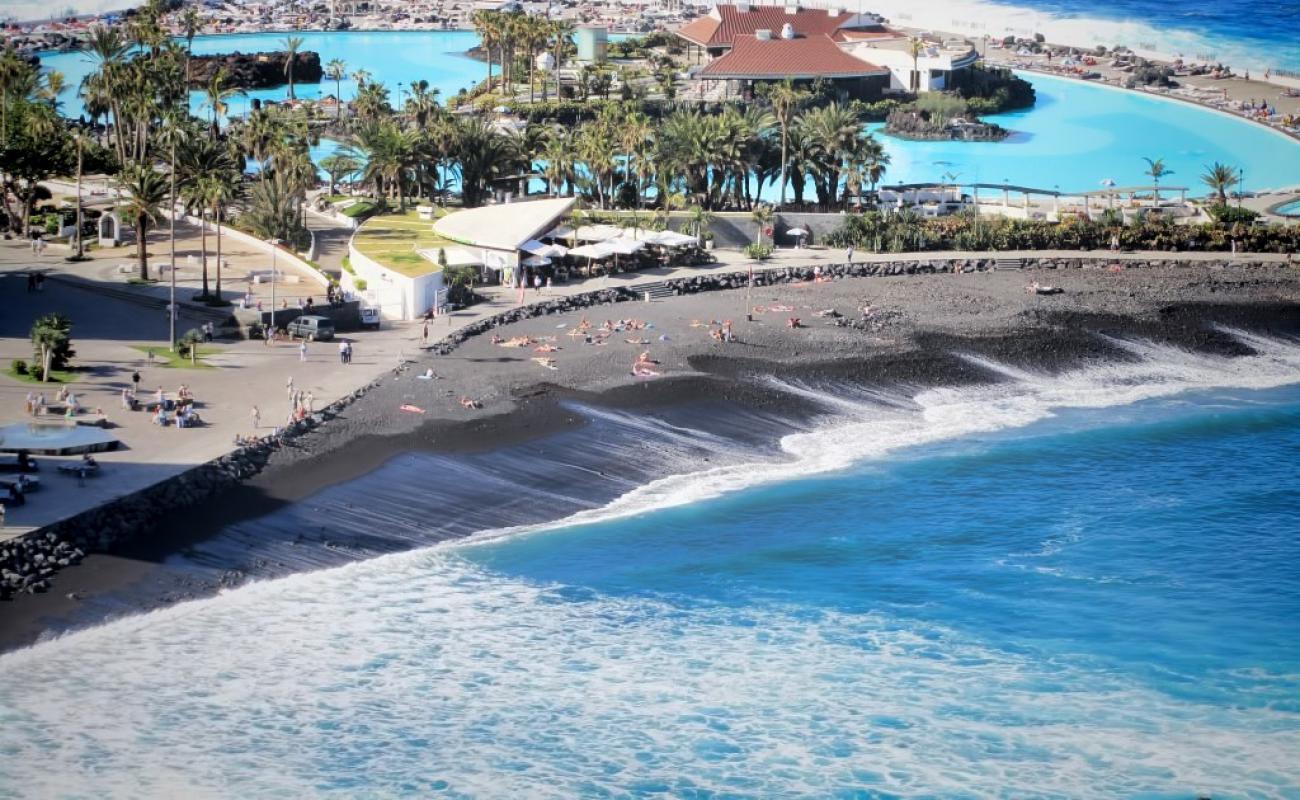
(147, 190)
(785, 99)
(200, 160)
(291, 46)
(223, 188)
(557, 152)
(79, 139)
(1156, 169)
(482, 153)
(915, 47)
(337, 166)
(190, 23)
(55, 82)
(1220, 178)
(423, 103)
(698, 220)
(336, 70)
(218, 93)
(559, 31)
(762, 216)
(486, 25)
(272, 208)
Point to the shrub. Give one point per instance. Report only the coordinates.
(1232, 215)
(361, 284)
(19, 366)
(186, 346)
(758, 251)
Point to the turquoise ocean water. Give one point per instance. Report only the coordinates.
(1082, 584)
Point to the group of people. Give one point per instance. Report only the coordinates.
(345, 352)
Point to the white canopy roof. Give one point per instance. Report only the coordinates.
(597, 250)
(598, 233)
(503, 227)
(624, 247)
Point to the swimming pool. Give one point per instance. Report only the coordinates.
(1076, 136)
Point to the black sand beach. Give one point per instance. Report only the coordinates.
(548, 443)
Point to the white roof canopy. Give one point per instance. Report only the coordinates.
(503, 227)
(598, 233)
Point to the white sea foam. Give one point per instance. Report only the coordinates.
(419, 667)
(388, 677)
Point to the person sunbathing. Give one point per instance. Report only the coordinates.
(545, 348)
(468, 403)
(584, 325)
(548, 363)
(793, 322)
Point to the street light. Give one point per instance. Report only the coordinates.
(275, 246)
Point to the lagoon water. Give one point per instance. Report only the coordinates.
(1076, 136)
(1081, 584)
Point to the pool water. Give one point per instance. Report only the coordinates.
(1076, 136)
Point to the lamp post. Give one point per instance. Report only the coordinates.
(275, 246)
(1241, 184)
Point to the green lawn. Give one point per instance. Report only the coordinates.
(56, 376)
(394, 239)
(359, 209)
(162, 357)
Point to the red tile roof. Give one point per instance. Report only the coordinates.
(803, 57)
(721, 26)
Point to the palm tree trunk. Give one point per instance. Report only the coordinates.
(81, 252)
(203, 251)
(216, 216)
(139, 245)
(783, 165)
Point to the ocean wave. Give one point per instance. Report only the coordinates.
(422, 673)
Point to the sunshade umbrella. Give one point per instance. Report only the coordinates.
(797, 232)
(536, 261)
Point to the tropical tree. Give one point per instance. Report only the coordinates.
(785, 99)
(222, 190)
(698, 220)
(338, 165)
(336, 70)
(272, 208)
(559, 31)
(762, 216)
(52, 340)
(291, 46)
(218, 92)
(1220, 178)
(915, 47)
(482, 153)
(1156, 169)
(147, 191)
(200, 161)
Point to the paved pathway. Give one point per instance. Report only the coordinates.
(108, 327)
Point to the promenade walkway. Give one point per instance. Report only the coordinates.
(112, 319)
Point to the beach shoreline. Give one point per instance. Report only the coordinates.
(924, 329)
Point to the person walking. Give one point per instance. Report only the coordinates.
(424, 336)
(848, 256)
(348, 355)
(257, 418)
(343, 352)
(302, 350)
(289, 387)
(310, 402)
